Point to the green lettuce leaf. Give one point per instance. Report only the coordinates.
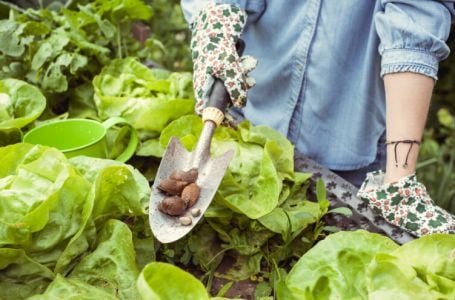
(82, 104)
(278, 146)
(187, 129)
(252, 184)
(336, 267)
(112, 266)
(294, 213)
(293, 216)
(143, 240)
(119, 189)
(20, 103)
(10, 42)
(64, 288)
(54, 211)
(243, 267)
(421, 269)
(41, 199)
(49, 49)
(206, 248)
(129, 89)
(124, 10)
(362, 265)
(263, 159)
(162, 281)
(42, 206)
(20, 275)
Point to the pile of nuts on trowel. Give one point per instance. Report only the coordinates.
(183, 193)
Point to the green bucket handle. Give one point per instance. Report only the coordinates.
(132, 144)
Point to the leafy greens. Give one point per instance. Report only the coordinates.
(362, 265)
(53, 211)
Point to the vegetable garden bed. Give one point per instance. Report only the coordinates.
(78, 228)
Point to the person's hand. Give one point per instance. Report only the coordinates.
(215, 34)
(406, 204)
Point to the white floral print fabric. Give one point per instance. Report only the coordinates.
(406, 204)
(213, 49)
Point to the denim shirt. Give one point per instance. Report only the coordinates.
(321, 62)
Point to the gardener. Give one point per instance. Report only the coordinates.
(328, 70)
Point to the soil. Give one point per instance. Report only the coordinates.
(243, 289)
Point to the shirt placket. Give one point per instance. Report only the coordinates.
(294, 104)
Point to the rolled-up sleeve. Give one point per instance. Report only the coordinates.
(413, 35)
(253, 8)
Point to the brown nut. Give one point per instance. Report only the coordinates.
(190, 194)
(189, 176)
(172, 187)
(174, 206)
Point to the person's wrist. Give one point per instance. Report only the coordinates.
(401, 160)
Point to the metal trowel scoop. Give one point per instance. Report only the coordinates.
(211, 170)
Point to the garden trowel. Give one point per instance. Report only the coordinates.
(211, 170)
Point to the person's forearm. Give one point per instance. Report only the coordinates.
(408, 97)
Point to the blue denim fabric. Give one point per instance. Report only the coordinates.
(319, 77)
(356, 177)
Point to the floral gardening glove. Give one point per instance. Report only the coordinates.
(215, 34)
(406, 204)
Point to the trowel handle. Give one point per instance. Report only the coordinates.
(219, 98)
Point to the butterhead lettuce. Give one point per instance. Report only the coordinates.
(363, 265)
(148, 99)
(60, 217)
(20, 104)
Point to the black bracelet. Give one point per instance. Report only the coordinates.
(410, 142)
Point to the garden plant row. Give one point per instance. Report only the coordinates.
(78, 228)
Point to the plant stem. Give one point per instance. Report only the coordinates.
(119, 42)
(445, 178)
(427, 162)
(210, 281)
(13, 6)
(69, 3)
